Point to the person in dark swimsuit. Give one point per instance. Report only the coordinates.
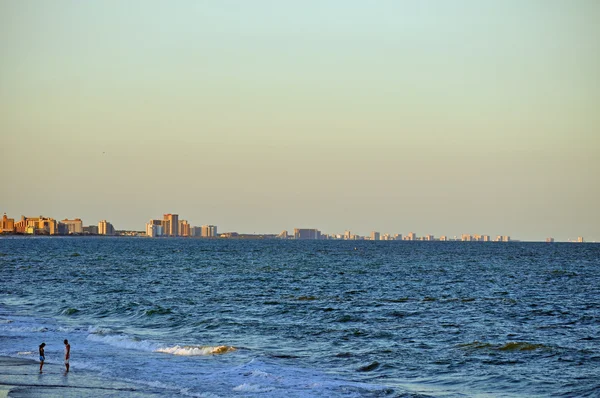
(42, 356)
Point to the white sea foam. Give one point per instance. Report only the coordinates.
(24, 329)
(5, 321)
(260, 373)
(252, 388)
(169, 387)
(99, 330)
(123, 341)
(195, 350)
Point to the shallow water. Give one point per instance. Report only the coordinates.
(310, 318)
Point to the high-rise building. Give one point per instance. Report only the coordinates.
(398, 237)
(7, 225)
(105, 228)
(580, 239)
(347, 235)
(154, 228)
(549, 240)
(209, 231)
(374, 235)
(466, 238)
(411, 236)
(303, 233)
(171, 224)
(184, 228)
(71, 227)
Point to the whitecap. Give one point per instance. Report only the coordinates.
(195, 350)
(252, 388)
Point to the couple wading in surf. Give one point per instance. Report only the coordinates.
(67, 355)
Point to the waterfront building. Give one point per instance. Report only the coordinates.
(375, 235)
(486, 238)
(549, 240)
(184, 228)
(196, 231)
(398, 237)
(443, 238)
(171, 224)
(209, 231)
(304, 233)
(71, 227)
(411, 236)
(154, 228)
(7, 225)
(105, 228)
(21, 225)
(37, 225)
(506, 238)
(283, 235)
(428, 237)
(90, 230)
(580, 239)
(466, 238)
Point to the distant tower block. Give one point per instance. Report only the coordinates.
(304, 233)
(549, 240)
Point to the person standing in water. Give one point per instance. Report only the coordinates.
(67, 353)
(42, 356)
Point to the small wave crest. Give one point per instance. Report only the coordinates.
(158, 311)
(196, 350)
(99, 330)
(69, 311)
(123, 341)
(521, 346)
(510, 346)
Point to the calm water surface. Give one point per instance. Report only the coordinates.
(310, 318)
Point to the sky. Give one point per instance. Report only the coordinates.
(436, 117)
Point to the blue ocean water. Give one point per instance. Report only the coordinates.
(221, 318)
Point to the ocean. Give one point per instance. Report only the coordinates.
(272, 318)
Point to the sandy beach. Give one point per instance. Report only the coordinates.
(21, 378)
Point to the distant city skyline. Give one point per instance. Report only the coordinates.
(441, 118)
(165, 227)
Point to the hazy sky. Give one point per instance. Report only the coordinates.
(441, 117)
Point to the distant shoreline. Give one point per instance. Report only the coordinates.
(273, 237)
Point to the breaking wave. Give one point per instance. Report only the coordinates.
(196, 350)
(123, 341)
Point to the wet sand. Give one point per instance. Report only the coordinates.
(21, 378)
